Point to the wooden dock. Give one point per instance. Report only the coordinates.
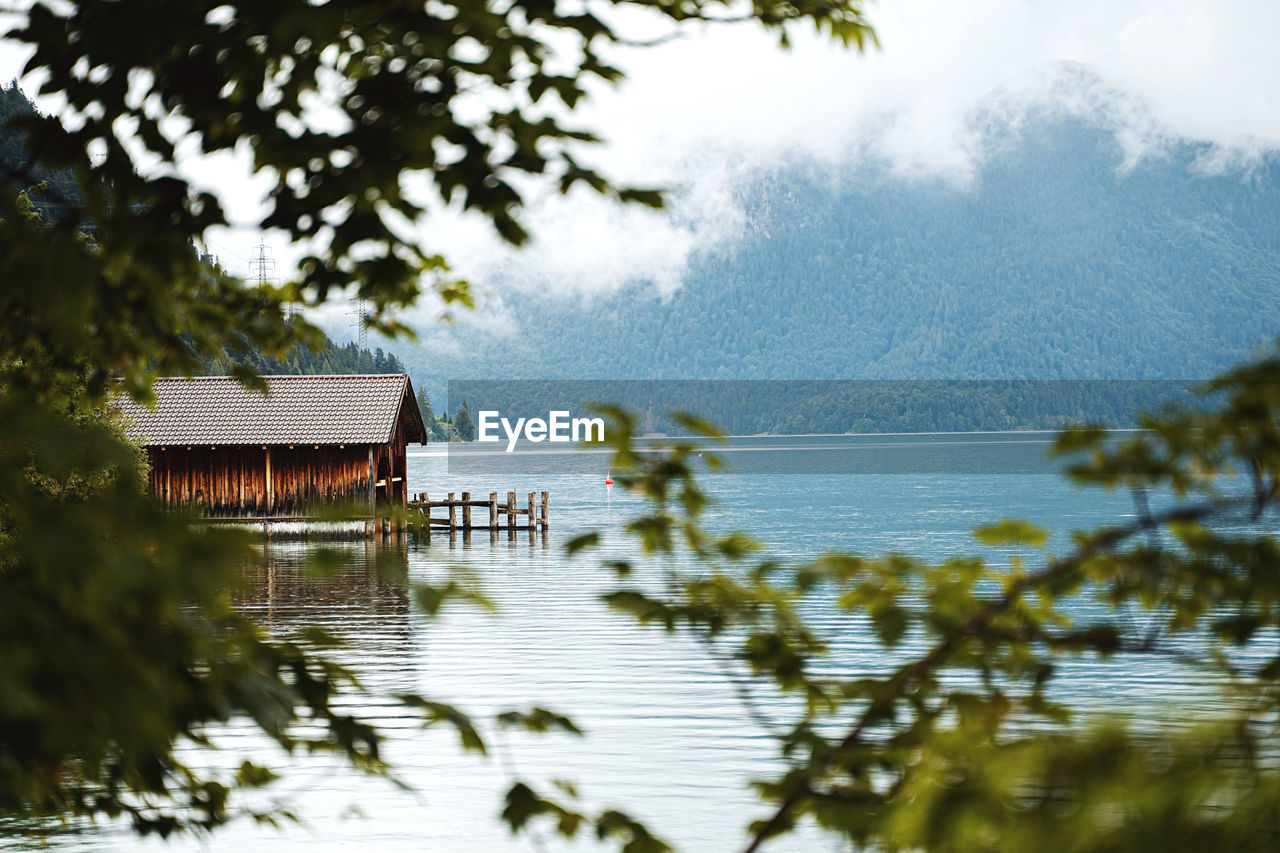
(508, 515)
(494, 515)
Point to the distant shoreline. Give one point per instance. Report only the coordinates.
(872, 434)
(661, 436)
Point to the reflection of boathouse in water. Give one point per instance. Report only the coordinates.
(308, 441)
(367, 593)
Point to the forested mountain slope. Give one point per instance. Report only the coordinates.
(331, 358)
(1055, 263)
(16, 170)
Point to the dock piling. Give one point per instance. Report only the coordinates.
(536, 512)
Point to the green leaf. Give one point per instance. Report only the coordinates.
(537, 720)
(637, 838)
(439, 712)
(582, 542)
(1010, 532)
(889, 623)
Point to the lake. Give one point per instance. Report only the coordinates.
(667, 738)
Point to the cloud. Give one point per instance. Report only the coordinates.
(717, 105)
(1206, 72)
(584, 245)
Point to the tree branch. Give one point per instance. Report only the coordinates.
(1053, 571)
(748, 702)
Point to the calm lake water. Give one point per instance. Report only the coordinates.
(667, 738)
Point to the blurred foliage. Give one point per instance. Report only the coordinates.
(118, 640)
(957, 742)
(118, 635)
(117, 630)
(342, 106)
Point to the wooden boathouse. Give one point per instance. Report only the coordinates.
(309, 441)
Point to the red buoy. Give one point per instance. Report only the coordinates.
(608, 479)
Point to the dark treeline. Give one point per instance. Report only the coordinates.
(826, 406)
(16, 169)
(331, 358)
(439, 427)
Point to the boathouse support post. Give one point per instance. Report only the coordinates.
(373, 485)
(271, 497)
(453, 512)
(466, 510)
(533, 517)
(493, 512)
(545, 500)
(393, 519)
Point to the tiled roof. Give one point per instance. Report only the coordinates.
(295, 410)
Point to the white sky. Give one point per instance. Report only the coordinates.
(700, 112)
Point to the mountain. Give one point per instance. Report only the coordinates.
(1065, 258)
(16, 171)
(1058, 262)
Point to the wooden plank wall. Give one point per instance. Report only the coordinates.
(400, 465)
(391, 469)
(230, 481)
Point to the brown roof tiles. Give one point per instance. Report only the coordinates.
(295, 410)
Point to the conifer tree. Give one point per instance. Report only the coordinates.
(466, 426)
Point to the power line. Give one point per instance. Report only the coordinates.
(360, 311)
(262, 271)
(226, 251)
(262, 268)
